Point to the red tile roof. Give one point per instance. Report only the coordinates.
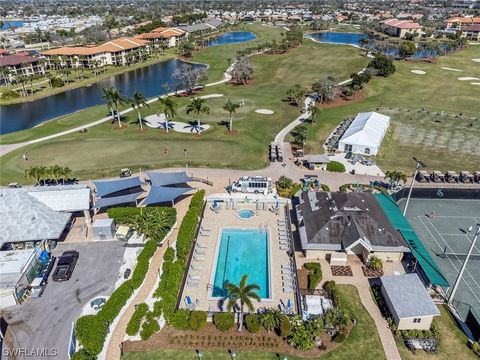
(12, 60)
(473, 28)
(402, 24)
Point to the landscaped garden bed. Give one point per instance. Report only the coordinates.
(369, 272)
(341, 270)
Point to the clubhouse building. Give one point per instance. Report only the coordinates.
(400, 28)
(346, 223)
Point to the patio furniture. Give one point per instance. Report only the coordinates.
(200, 251)
(196, 267)
(198, 257)
(201, 245)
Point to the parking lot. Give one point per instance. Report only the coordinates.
(46, 322)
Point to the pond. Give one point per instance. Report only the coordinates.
(149, 80)
(231, 38)
(339, 37)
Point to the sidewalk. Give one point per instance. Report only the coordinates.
(361, 283)
(150, 283)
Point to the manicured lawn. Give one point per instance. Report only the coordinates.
(103, 150)
(362, 343)
(453, 343)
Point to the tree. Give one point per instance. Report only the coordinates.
(406, 49)
(231, 108)
(364, 42)
(395, 177)
(326, 88)
(284, 182)
(314, 113)
(296, 94)
(198, 106)
(167, 106)
(189, 77)
(383, 64)
(242, 70)
(36, 173)
(244, 294)
(337, 318)
(375, 263)
(114, 99)
(139, 100)
(185, 49)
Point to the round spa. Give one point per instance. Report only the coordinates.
(246, 214)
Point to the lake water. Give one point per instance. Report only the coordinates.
(231, 38)
(8, 24)
(148, 80)
(339, 38)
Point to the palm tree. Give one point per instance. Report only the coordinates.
(395, 177)
(243, 293)
(139, 100)
(231, 108)
(37, 173)
(314, 112)
(198, 106)
(167, 106)
(114, 98)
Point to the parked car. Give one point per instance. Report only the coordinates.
(65, 265)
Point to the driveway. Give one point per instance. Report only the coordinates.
(46, 322)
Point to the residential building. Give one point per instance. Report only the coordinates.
(114, 52)
(19, 65)
(472, 32)
(462, 22)
(400, 28)
(411, 306)
(168, 37)
(365, 134)
(351, 223)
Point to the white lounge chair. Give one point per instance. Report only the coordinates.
(286, 271)
(203, 233)
(192, 283)
(196, 267)
(198, 257)
(204, 229)
(287, 290)
(200, 251)
(193, 277)
(201, 245)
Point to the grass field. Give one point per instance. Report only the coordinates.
(103, 149)
(362, 343)
(453, 343)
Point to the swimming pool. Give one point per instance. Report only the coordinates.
(243, 251)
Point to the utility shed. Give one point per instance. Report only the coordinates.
(409, 302)
(103, 229)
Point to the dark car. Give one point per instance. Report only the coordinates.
(65, 265)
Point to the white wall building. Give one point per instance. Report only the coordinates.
(365, 134)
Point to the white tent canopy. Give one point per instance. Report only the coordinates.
(365, 133)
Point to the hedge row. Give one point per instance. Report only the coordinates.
(92, 329)
(133, 325)
(315, 274)
(335, 166)
(174, 269)
(224, 320)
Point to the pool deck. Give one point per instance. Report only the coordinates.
(228, 218)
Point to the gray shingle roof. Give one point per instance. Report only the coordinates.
(24, 218)
(408, 296)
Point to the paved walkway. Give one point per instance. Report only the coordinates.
(361, 283)
(118, 333)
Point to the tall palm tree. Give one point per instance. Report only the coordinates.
(114, 99)
(167, 106)
(139, 100)
(244, 294)
(395, 177)
(198, 106)
(231, 108)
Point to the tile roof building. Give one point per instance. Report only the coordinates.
(462, 22)
(400, 28)
(19, 65)
(163, 36)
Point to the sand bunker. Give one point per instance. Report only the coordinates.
(451, 69)
(475, 83)
(211, 96)
(467, 78)
(476, 60)
(418, 72)
(264, 111)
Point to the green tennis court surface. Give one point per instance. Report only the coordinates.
(446, 230)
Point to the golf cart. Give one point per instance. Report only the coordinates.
(466, 177)
(125, 173)
(452, 177)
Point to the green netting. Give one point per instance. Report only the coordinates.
(401, 223)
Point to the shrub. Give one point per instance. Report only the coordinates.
(335, 166)
(295, 188)
(285, 326)
(169, 255)
(302, 335)
(149, 328)
(83, 354)
(57, 82)
(133, 325)
(197, 320)
(284, 182)
(315, 274)
(325, 187)
(375, 263)
(253, 323)
(91, 332)
(179, 319)
(224, 321)
(383, 65)
(340, 337)
(10, 94)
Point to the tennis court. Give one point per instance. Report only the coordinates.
(442, 226)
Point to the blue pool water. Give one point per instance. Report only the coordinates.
(246, 214)
(231, 38)
(242, 251)
(339, 38)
